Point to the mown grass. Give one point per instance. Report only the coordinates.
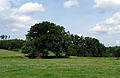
(14, 65)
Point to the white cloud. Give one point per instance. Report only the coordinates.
(20, 21)
(12, 18)
(98, 29)
(71, 3)
(31, 7)
(108, 26)
(4, 4)
(117, 41)
(107, 4)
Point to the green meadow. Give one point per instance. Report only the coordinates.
(15, 65)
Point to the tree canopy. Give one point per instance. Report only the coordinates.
(47, 36)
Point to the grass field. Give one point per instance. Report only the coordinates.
(14, 65)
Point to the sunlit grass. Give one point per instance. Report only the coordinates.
(75, 67)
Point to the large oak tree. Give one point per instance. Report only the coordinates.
(45, 37)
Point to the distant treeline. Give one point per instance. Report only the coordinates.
(14, 44)
(113, 51)
(4, 37)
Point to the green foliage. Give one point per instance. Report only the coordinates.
(27, 48)
(11, 44)
(116, 53)
(87, 47)
(94, 47)
(46, 37)
(113, 51)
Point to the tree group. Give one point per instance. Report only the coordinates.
(48, 37)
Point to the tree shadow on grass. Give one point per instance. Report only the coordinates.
(46, 57)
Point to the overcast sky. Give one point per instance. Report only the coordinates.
(94, 18)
